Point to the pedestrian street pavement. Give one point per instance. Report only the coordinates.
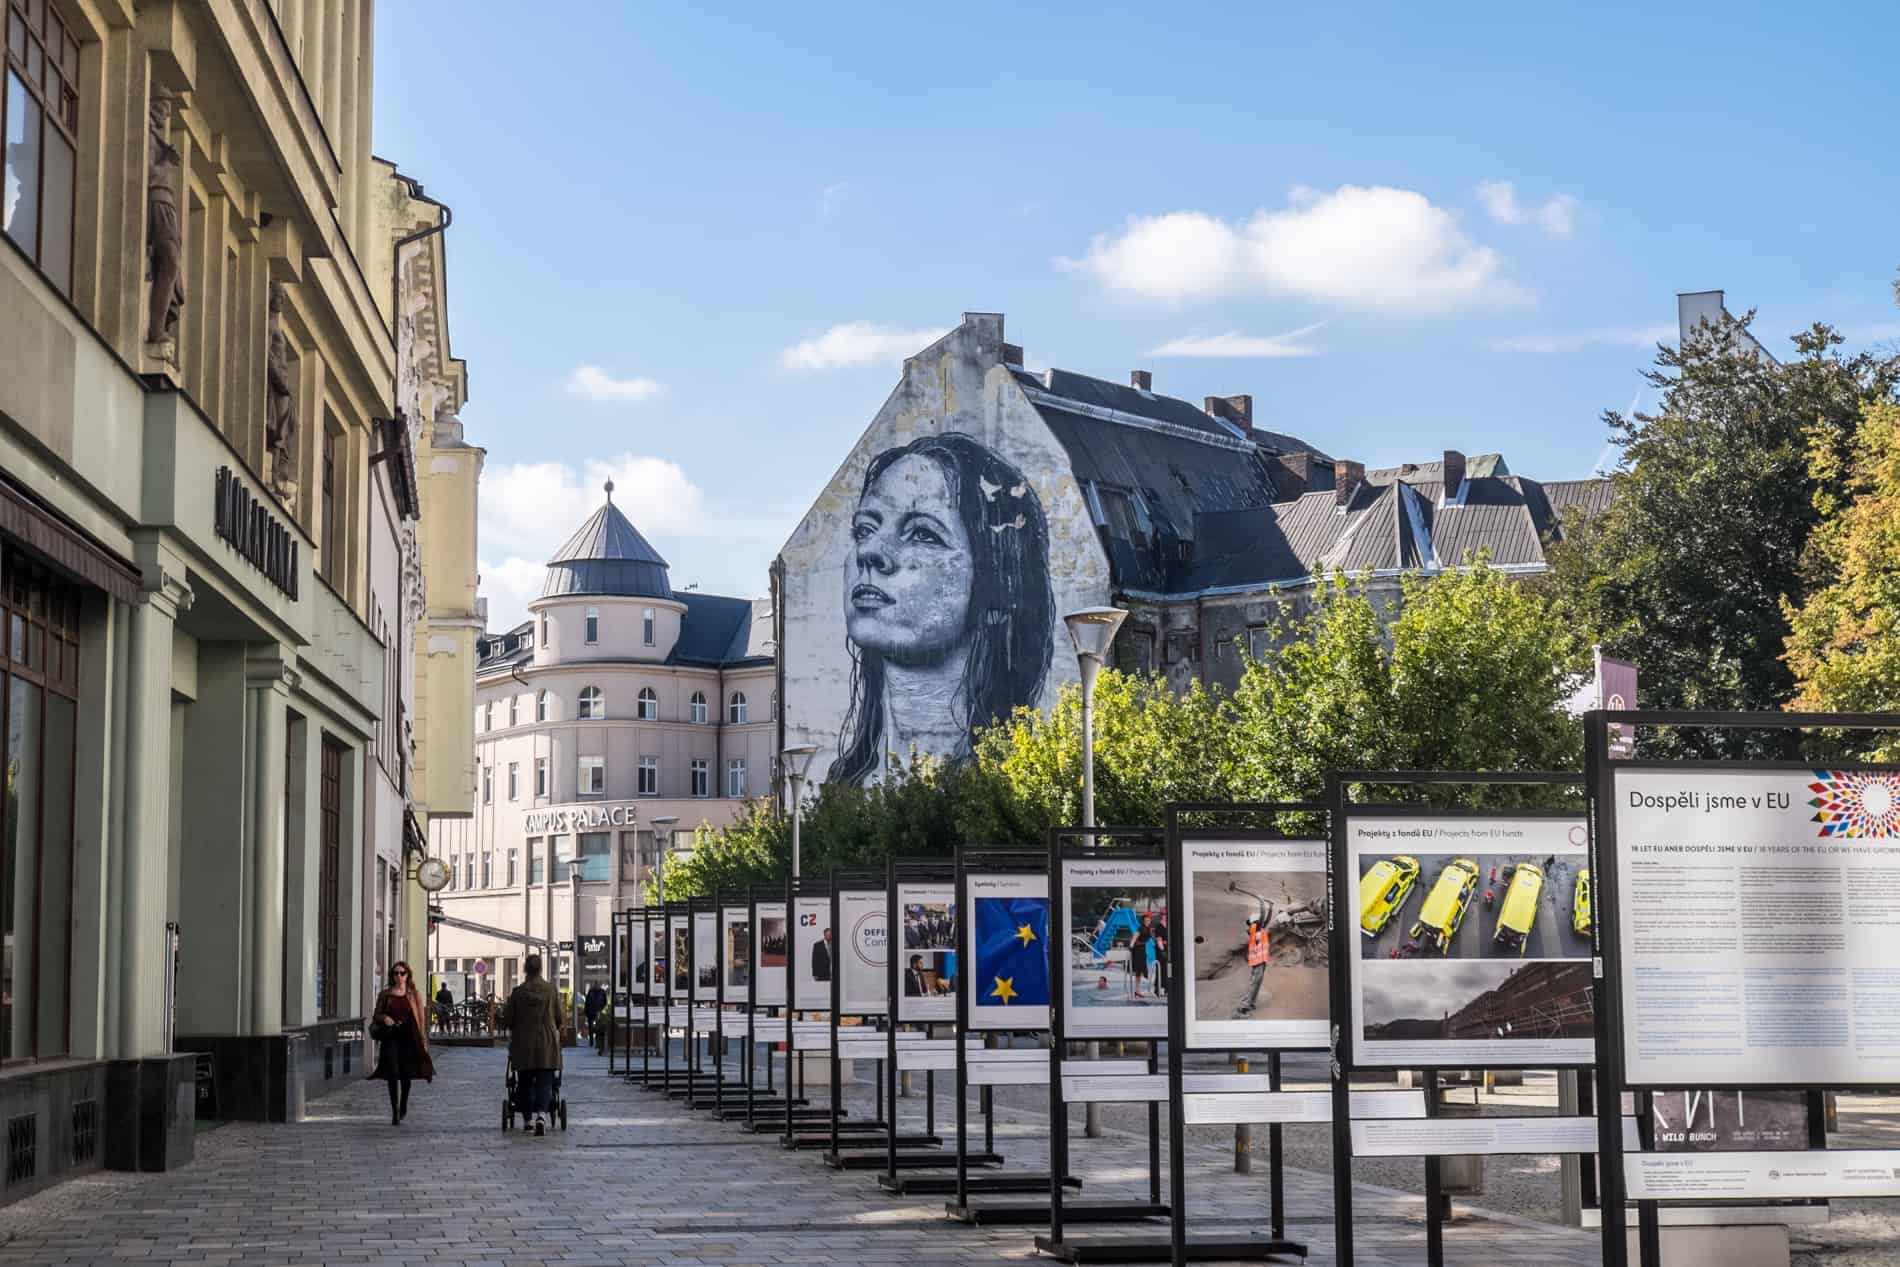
(637, 1180)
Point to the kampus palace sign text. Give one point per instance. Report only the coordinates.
(580, 817)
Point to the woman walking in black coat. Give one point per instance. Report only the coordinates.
(400, 1025)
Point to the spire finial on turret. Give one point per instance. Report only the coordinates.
(610, 490)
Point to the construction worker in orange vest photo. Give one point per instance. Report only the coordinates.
(1257, 954)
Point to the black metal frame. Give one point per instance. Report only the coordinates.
(1180, 1251)
(852, 880)
(1342, 928)
(898, 873)
(795, 888)
(1600, 770)
(1122, 843)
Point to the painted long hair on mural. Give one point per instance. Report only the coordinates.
(948, 605)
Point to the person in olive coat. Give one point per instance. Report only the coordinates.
(532, 1015)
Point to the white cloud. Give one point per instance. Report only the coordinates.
(832, 198)
(1577, 340)
(1374, 248)
(1236, 344)
(853, 345)
(590, 382)
(1556, 217)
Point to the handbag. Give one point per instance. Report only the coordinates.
(379, 1032)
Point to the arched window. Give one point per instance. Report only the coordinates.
(699, 707)
(540, 705)
(649, 704)
(593, 704)
(735, 709)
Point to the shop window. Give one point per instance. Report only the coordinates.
(39, 687)
(329, 877)
(597, 856)
(39, 125)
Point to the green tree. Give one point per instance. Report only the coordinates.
(1843, 645)
(1686, 571)
(752, 849)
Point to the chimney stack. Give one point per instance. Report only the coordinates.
(1347, 477)
(1013, 354)
(1292, 475)
(1141, 380)
(1235, 409)
(1454, 473)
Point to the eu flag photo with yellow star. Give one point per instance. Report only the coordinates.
(1012, 952)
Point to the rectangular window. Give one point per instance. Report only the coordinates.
(468, 872)
(634, 847)
(646, 626)
(593, 625)
(514, 867)
(649, 776)
(540, 776)
(544, 629)
(330, 542)
(702, 777)
(39, 681)
(537, 860)
(514, 703)
(329, 878)
(597, 855)
(39, 125)
(488, 785)
(514, 780)
(488, 869)
(593, 772)
(735, 777)
(562, 850)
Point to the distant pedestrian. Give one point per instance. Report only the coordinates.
(533, 1017)
(596, 1003)
(400, 1028)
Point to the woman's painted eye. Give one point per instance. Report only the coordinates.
(925, 536)
(862, 531)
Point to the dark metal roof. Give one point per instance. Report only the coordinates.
(1573, 499)
(716, 632)
(607, 555)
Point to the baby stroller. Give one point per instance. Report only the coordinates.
(511, 1107)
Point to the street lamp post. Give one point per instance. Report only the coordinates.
(1091, 630)
(796, 760)
(574, 925)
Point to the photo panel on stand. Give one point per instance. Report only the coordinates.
(817, 955)
(927, 962)
(864, 989)
(1473, 941)
(1253, 945)
(769, 934)
(736, 934)
(1008, 937)
(679, 957)
(1115, 968)
(705, 956)
(653, 962)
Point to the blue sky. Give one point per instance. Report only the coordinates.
(693, 243)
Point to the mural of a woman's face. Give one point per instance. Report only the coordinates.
(908, 579)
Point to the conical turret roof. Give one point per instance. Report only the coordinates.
(607, 555)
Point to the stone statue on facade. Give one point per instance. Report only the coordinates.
(280, 428)
(164, 232)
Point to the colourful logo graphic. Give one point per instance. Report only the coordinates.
(1856, 803)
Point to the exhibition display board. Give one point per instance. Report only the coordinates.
(1246, 902)
(773, 939)
(1107, 907)
(1455, 942)
(1005, 937)
(1745, 923)
(810, 953)
(924, 969)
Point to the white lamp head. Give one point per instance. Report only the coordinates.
(797, 760)
(1092, 630)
